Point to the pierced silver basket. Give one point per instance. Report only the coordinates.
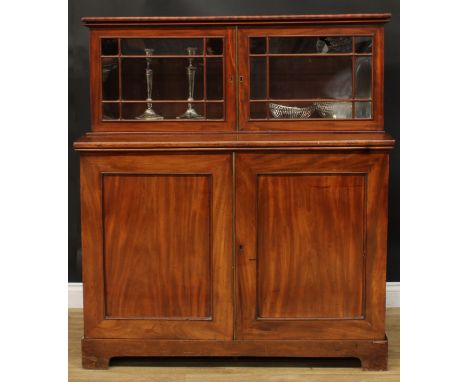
(290, 112)
(333, 110)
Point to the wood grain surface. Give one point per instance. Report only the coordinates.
(232, 369)
(253, 141)
(310, 245)
(157, 245)
(155, 20)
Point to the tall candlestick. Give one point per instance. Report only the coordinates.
(190, 113)
(149, 114)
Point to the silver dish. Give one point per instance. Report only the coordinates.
(290, 112)
(335, 110)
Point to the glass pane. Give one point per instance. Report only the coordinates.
(214, 78)
(258, 110)
(335, 45)
(169, 78)
(161, 46)
(295, 45)
(257, 77)
(214, 110)
(363, 110)
(333, 110)
(109, 47)
(298, 77)
(110, 79)
(110, 111)
(168, 110)
(214, 46)
(363, 44)
(257, 45)
(363, 77)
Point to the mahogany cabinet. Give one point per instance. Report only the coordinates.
(234, 188)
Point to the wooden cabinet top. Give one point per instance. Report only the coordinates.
(217, 141)
(248, 19)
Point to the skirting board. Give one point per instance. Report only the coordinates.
(75, 295)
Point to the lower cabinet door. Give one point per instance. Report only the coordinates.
(157, 245)
(311, 245)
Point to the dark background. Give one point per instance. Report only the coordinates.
(78, 85)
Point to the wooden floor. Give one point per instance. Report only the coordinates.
(231, 370)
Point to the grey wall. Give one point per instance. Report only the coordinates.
(79, 117)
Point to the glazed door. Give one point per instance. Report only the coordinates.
(163, 79)
(311, 245)
(157, 245)
(311, 78)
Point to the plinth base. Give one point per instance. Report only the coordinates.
(96, 352)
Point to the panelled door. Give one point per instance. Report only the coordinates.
(310, 245)
(157, 245)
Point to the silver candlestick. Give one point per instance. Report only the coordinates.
(149, 114)
(190, 113)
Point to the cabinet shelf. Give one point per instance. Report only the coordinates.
(309, 54)
(312, 100)
(164, 101)
(164, 56)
